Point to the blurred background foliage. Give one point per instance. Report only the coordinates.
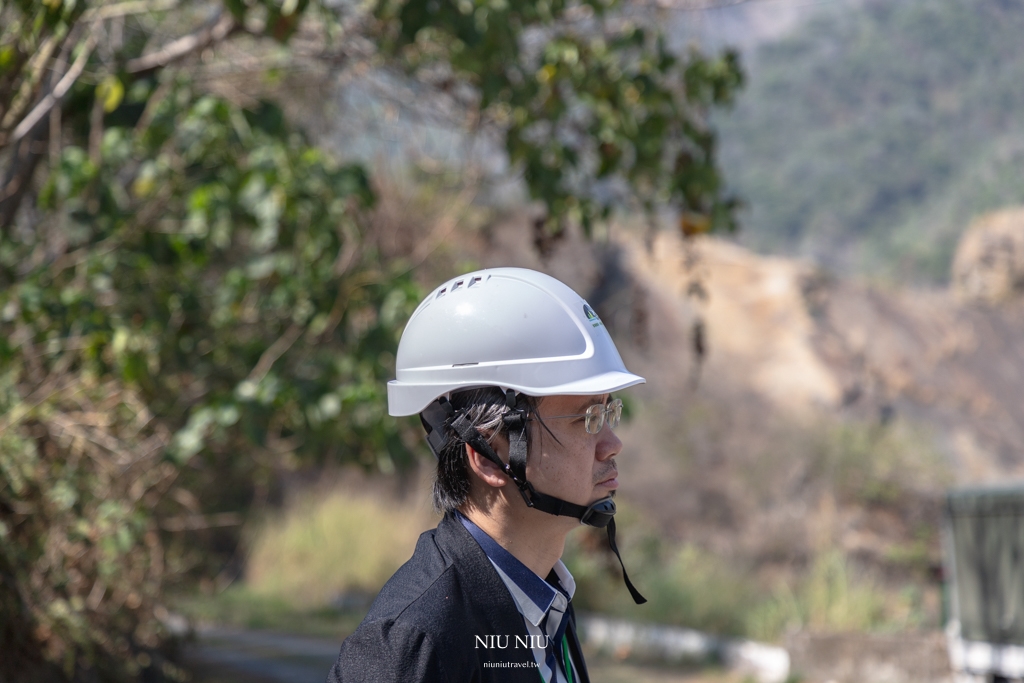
(194, 298)
(873, 133)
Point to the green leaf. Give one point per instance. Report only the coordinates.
(110, 91)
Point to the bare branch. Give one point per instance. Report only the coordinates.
(96, 130)
(691, 5)
(24, 409)
(184, 46)
(125, 9)
(709, 5)
(97, 437)
(276, 350)
(55, 136)
(152, 104)
(53, 97)
(26, 92)
(197, 522)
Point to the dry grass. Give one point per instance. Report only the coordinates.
(341, 542)
(691, 587)
(351, 539)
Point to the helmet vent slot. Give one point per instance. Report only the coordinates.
(442, 292)
(457, 285)
(475, 281)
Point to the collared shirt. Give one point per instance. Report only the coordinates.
(542, 605)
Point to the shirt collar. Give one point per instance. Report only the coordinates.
(533, 595)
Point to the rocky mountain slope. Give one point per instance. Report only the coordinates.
(789, 413)
(810, 344)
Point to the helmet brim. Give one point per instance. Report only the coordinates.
(411, 399)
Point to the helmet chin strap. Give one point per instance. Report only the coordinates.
(600, 513)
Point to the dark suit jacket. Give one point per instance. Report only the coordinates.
(428, 621)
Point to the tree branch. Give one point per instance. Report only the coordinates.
(691, 5)
(124, 9)
(186, 45)
(36, 66)
(197, 522)
(55, 95)
(275, 351)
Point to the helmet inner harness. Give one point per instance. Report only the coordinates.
(440, 416)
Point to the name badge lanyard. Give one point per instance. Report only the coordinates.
(566, 662)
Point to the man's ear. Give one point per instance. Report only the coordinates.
(483, 468)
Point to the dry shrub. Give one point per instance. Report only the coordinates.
(329, 545)
(81, 555)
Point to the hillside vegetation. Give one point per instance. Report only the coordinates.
(871, 135)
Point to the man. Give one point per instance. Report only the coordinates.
(511, 373)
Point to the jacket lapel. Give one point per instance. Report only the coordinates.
(495, 612)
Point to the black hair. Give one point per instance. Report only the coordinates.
(484, 407)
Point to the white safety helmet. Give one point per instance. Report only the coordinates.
(508, 327)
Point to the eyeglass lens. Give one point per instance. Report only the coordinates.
(596, 416)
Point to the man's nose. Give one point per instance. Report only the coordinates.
(608, 444)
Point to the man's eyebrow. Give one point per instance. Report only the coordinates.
(590, 400)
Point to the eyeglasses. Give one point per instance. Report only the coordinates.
(597, 414)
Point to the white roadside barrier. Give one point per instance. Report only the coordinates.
(673, 645)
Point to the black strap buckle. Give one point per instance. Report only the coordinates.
(526, 489)
(599, 513)
(514, 420)
(435, 418)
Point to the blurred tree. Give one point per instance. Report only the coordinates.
(191, 297)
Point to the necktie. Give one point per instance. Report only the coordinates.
(554, 626)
